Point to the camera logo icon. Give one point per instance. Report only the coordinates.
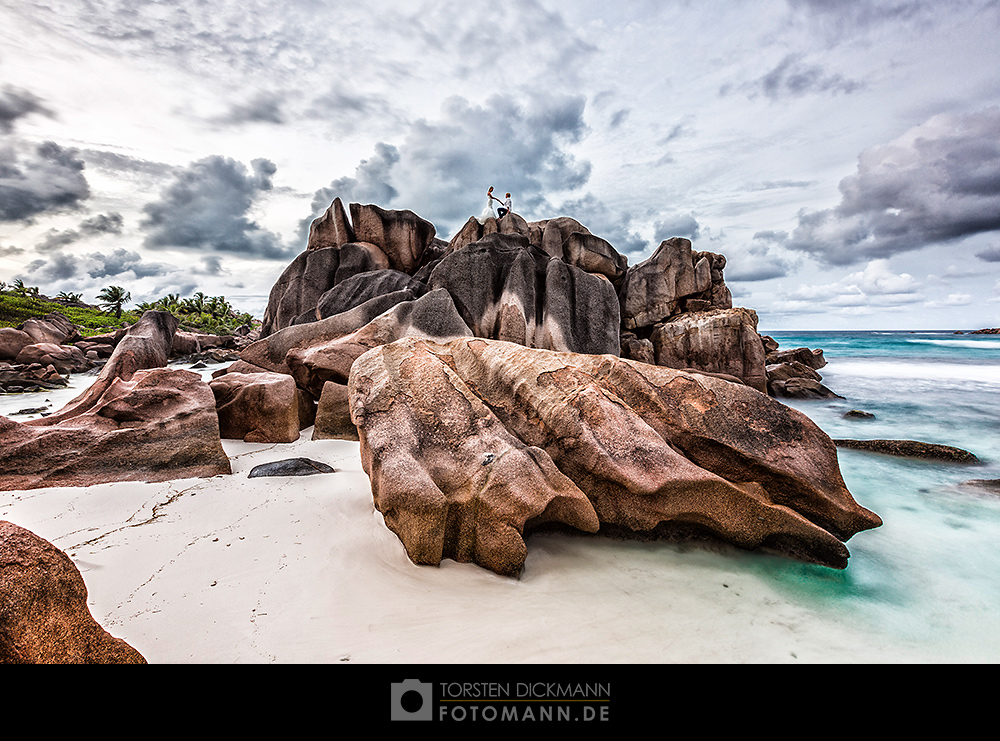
(411, 700)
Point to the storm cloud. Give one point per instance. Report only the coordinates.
(15, 104)
(938, 183)
(48, 179)
(206, 207)
(55, 239)
(51, 271)
(444, 167)
(265, 107)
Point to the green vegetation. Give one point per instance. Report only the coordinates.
(200, 313)
(113, 298)
(15, 308)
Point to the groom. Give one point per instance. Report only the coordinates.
(504, 209)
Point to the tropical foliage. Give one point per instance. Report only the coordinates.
(113, 298)
(212, 314)
(14, 309)
(201, 313)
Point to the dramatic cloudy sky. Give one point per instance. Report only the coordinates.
(844, 156)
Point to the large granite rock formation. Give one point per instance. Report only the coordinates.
(363, 287)
(257, 407)
(53, 328)
(432, 316)
(12, 341)
(138, 421)
(401, 235)
(332, 229)
(719, 341)
(472, 443)
(506, 288)
(299, 288)
(44, 618)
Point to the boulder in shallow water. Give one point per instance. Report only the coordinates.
(858, 414)
(911, 449)
(473, 443)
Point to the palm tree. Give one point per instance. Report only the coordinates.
(218, 307)
(69, 297)
(113, 298)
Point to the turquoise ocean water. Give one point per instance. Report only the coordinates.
(929, 578)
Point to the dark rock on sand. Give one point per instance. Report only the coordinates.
(290, 467)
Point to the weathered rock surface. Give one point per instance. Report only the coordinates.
(53, 328)
(159, 425)
(64, 358)
(12, 341)
(31, 377)
(717, 341)
(911, 449)
(401, 235)
(44, 618)
(812, 358)
(332, 229)
(447, 476)
(299, 287)
(190, 343)
(505, 288)
(800, 388)
(473, 443)
(652, 290)
(432, 316)
(363, 287)
(268, 353)
(138, 421)
(333, 414)
(356, 258)
(257, 407)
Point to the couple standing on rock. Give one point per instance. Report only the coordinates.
(502, 210)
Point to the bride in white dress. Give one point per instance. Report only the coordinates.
(488, 211)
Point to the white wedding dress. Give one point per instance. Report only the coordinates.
(487, 213)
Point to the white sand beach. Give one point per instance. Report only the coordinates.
(303, 570)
